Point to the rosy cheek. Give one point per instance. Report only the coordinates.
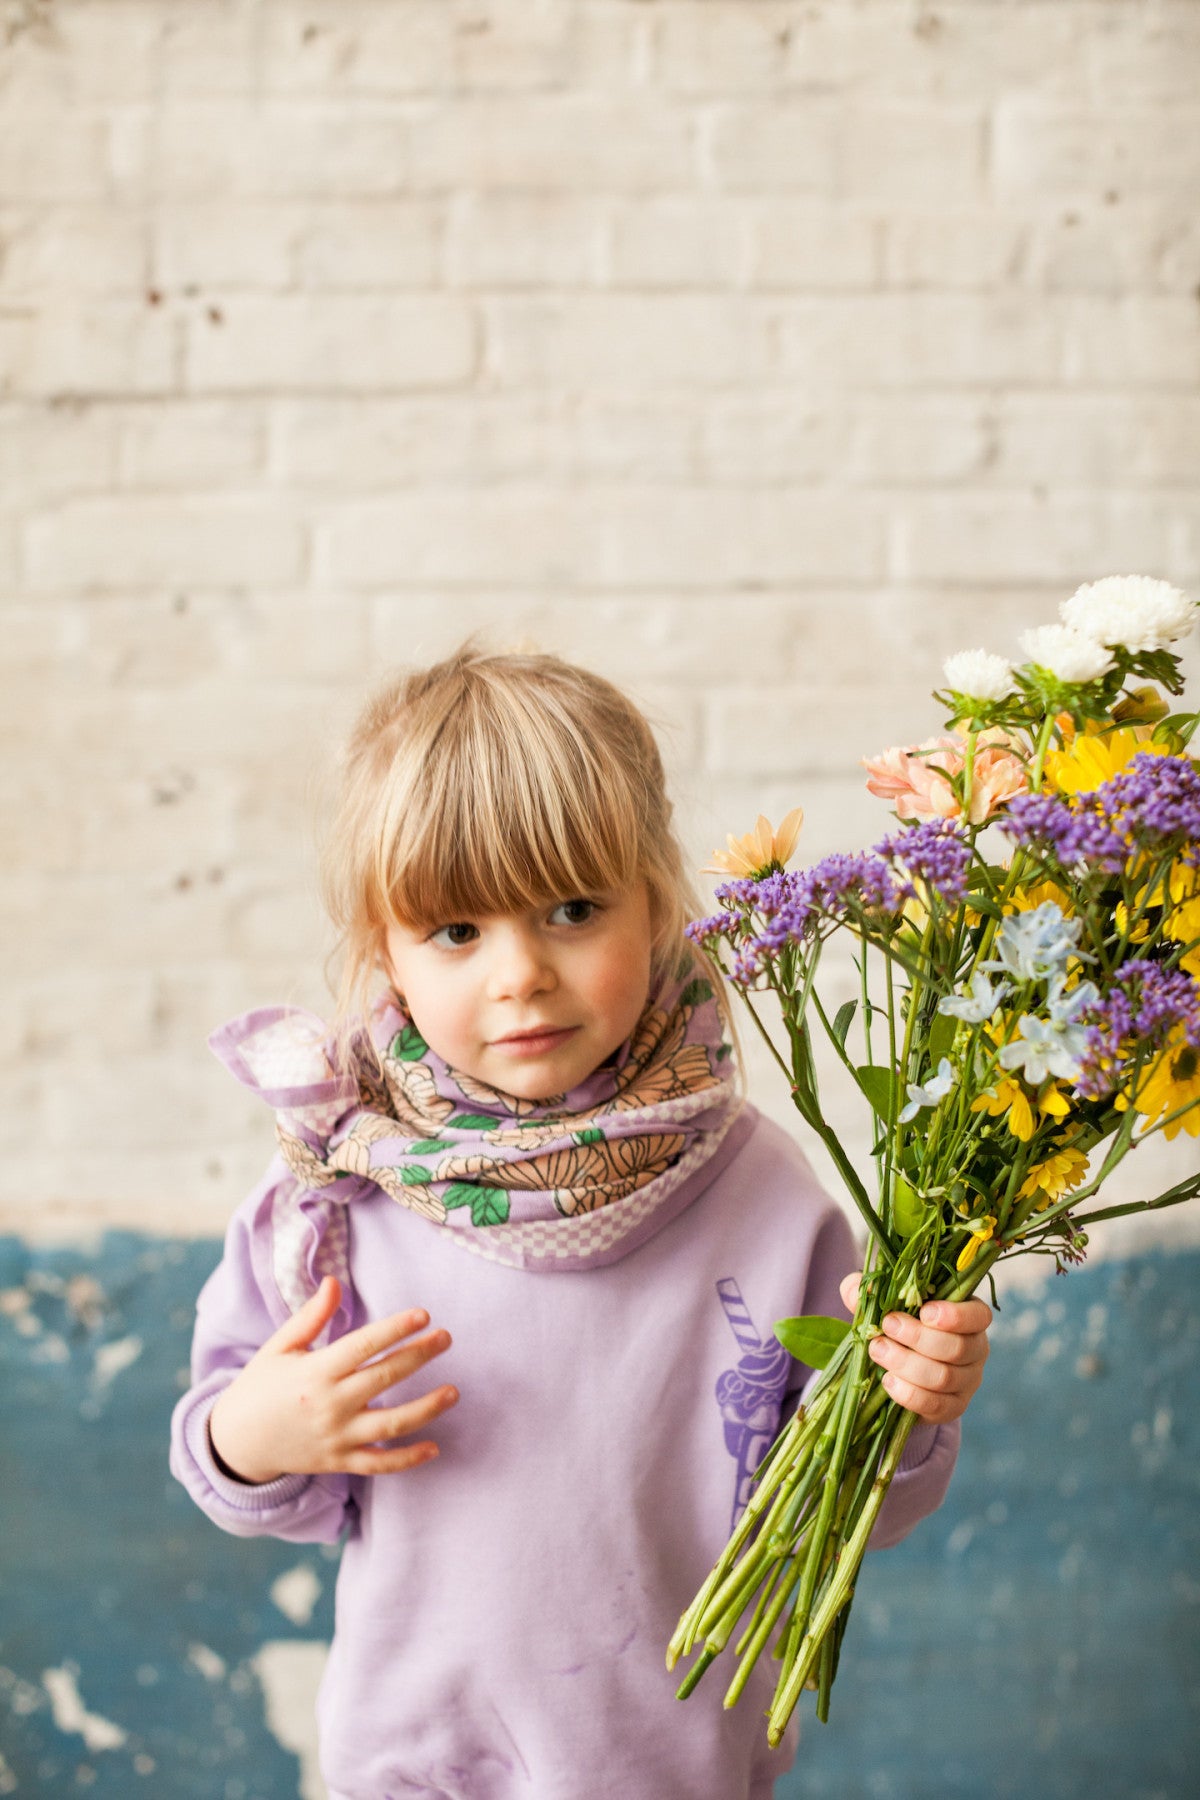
(622, 989)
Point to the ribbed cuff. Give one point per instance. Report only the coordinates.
(243, 1496)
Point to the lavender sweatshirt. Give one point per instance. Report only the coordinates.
(503, 1612)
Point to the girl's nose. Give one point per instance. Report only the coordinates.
(518, 968)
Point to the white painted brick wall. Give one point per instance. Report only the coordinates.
(756, 353)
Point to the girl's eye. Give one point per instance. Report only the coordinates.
(579, 911)
(459, 933)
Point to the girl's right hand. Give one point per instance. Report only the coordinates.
(297, 1411)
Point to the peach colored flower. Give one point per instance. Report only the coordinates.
(758, 849)
(916, 779)
(999, 773)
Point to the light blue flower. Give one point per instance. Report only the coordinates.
(1065, 1004)
(1053, 1046)
(931, 1093)
(1035, 946)
(979, 1004)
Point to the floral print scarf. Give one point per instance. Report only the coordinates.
(563, 1183)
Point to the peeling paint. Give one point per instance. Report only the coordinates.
(296, 1593)
(111, 1360)
(290, 1674)
(71, 1715)
(210, 1665)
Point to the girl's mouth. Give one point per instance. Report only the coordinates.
(535, 1043)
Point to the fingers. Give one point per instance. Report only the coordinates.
(934, 1370)
(375, 1424)
(298, 1332)
(369, 1341)
(965, 1316)
(387, 1462)
(849, 1290)
(961, 1339)
(376, 1378)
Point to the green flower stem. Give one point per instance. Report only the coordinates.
(1043, 745)
(762, 1631)
(792, 1679)
(968, 773)
(787, 1472)
(867, 1008)
(1186, 1190)
(851, 1393)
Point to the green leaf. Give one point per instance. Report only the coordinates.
(908, 1209)
(490, 1207)
(878, 1084)
(1176, 727)
(408, 1045)
(941, 1036)
(473, 1121)
(724, 1050)
(463, 1193)
(427, 1145)
(415, 1174)
(841, 1023)
(980, 903)
(696, 992)
(812, 1338)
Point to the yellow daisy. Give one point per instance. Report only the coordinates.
(1008, 1098)
(1028, 899)
(1173, 1081)
(1092, 760)
(1059, 1173)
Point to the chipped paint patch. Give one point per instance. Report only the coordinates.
(296, 1593)
(290, 1674)
(71, 1715)
(210, 1665)
(111, 1360)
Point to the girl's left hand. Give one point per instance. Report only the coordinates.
(934, 1362)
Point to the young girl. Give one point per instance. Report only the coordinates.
(527, 1163)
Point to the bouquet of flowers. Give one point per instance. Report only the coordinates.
(1026, 1017)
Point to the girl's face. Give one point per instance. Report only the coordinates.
(574, 973)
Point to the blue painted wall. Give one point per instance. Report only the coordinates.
(1039, 1636)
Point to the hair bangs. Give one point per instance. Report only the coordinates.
(512, 808)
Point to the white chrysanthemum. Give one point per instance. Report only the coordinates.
(1066, 653)
(979, 674)
(1134, 611)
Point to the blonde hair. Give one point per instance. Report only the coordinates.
(490, 783)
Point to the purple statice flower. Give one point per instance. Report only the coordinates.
(1071, 834)
(936, 852)
(702, 931)
(788, 905)
(1155, 802)
(861, 881)
(1144, 1004)
(741, 891)
(1151, 804)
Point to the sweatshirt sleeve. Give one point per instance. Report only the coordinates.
(238, 1309)
(927, 1462)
